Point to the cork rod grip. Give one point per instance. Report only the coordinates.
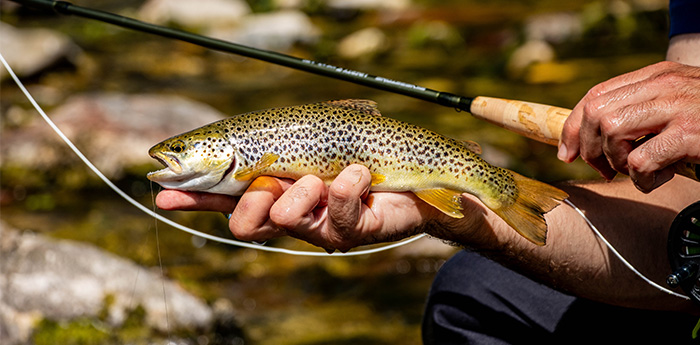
(541, 122)
(536, 121)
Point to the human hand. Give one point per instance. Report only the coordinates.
(340, 216)
(660, 103)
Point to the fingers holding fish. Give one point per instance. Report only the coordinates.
(345, 215)
(299, 207)
(321, 215)
(355, 217)
(345, 198)
(170, 199)
(250, 220)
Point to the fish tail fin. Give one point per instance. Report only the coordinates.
(526, 214)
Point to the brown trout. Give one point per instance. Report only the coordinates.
(323, 138)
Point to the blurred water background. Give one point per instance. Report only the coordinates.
(116, 92)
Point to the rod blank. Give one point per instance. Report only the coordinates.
(442, 98)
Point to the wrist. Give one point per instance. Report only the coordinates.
(684, 49)
(480, 229)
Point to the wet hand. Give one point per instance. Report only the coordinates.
(660, 103)
(345, 215)
(341, 216)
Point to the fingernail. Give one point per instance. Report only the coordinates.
(563, 152)
(644, 184)
(658, 178)
(607, 173)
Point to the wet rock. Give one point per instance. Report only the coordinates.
(60, 280)
(553, 27)
(273, 31)
(363, 44)
(113, 130)
(369, 4)
(437, 32)
(198, 14)
(534, 51)
(290, 4)
(28, 51)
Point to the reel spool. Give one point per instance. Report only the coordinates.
(684, 252)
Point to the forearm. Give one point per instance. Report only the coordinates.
(576, 260)
(636, 224)
(684, 49)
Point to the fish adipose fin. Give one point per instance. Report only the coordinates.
(445, 200)
(363, 105)
(526, 214)
(265, 161)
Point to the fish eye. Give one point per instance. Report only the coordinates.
(178, 146)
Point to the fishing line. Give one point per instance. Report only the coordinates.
(160, 263)
(619, 256)
(176, 225)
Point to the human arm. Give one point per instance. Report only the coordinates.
(577, 261)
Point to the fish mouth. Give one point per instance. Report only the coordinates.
(171, 163)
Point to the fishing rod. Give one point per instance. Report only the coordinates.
(490, 109)
(540, 122)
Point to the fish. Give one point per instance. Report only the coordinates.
(323, 138)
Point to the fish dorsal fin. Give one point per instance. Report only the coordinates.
(249, 173)
(473, 146)
(446, 200)
(363, 105)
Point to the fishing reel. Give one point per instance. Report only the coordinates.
(684, 252)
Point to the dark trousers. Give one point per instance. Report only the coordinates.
(474, 300)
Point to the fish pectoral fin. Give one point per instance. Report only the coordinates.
(446, 200)
(473, 146)
(248, 173)
(364, 105)
(377, 179)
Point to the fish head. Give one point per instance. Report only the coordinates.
(194, 161)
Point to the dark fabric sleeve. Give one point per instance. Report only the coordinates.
(685, 17)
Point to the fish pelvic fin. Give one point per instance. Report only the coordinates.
(249, 173)
(526, 214)
(446, 200)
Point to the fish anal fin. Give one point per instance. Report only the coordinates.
(248, 173)
(363, 105)
(446, 200)
(526, 214)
